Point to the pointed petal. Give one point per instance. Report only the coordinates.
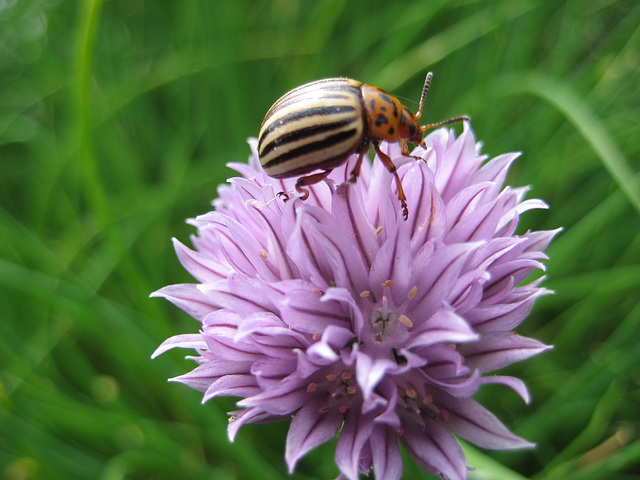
(393, 262)
(443, 327)
(497, 350)
(310, 428)
(515, 383)
(354, 435)
(432, 446)
(189, 298)
(348, 209)
(305, 310)
(201, 267)
(193, 341)
(471, 421)
(387, 463)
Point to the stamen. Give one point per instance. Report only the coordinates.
(365, 293)
(344, 407)
(331, 377)
(325, 408)
(345, 375)
(311, 387)
(263, 254)
(352, 390)
(411, 393)
(379, 230)
(412, 293)
(405, 321)
(388, 283)
(428, 399)
(316, 336)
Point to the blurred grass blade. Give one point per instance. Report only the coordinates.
(578, 111)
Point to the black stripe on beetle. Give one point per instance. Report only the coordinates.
(310, 148)
(281, 123)
(303, 133)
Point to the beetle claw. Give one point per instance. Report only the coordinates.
(283, 195)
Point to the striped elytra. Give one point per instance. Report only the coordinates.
(317, 126)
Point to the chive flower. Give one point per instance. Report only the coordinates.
(338, 316)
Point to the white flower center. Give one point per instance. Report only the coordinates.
(384, 320)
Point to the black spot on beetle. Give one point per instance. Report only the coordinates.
(387, 99)
(381, 120)
(372, 104)
(412, 129)
(391, 130)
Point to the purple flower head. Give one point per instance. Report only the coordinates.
(339, 316)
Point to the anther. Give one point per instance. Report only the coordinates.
(403, 319)
(345, 375)
(331, 377)
(388, 283)
(352, 390)
(311, 387)
(412, 293)
(365, 293)
(379, 230)
(263, 254)
(344, 407)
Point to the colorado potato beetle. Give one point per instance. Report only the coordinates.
(317, 126)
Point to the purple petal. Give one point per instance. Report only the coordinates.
(387, 463)
(240, 294)
(497, 350)
(471, 421)
(369, 373)
(354, 435)
(392, 263)
(189, 298)
(495, 170)
(433, 447)
(193, 341)
(202, 268)
(435, 276)
(290, 395)
(348, 209)
(249, 415)
(515, 383)
(310, 428)
(304, 309)
(333, 339)
(443, 327)
(201, 377)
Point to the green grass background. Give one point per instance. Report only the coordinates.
(116, 121)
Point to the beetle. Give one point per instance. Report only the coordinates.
(317, 126)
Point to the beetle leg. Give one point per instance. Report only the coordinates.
(388, 163)
(404, 148)
(355, 173)
(310, 180)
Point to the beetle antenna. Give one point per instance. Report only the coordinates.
(425, 89)
(461, 118)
